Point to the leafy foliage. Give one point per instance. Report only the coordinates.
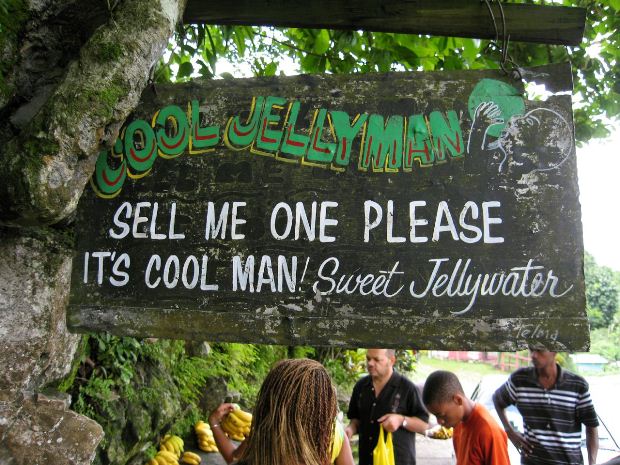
(197, 50)
(606, 341)
(602, 293)
(12, 16)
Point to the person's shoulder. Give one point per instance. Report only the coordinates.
(482, 414)
(405, 382)
(484, 423)
(575, 379)
(573, 376)
(398, 376)
(522, 375)
(363, 381)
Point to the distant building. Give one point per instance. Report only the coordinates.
(590, 363)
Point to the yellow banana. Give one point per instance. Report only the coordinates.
(191, 455)
(160, 460)
(169, 456)
(233, 420)
(246, 417)
(178, 441)
(173, 447)
(237, 437)
(152, 462)
(232, 424)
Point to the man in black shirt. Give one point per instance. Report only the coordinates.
(386, 397)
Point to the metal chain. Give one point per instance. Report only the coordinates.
(506, 60)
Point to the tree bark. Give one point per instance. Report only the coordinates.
(63, 101)
(71, 71)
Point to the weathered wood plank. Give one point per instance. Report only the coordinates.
(452, 18)
(436, 210)
(338, 330)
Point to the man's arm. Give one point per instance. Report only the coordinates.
(519, 441)
(592, 443)
(353, 427)
(392, 421)
(416, 425)
(416, 418)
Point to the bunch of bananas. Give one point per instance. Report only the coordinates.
(205, 437)
(190, 458)
(442, 433)
(164, 457)
(173, 444)
(237, 424)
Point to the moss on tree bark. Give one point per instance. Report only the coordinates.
(49, 151)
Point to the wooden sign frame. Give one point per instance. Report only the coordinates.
(542, 24)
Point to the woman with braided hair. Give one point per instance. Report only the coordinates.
(293, 420)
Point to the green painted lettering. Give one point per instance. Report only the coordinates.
(140, 147)
(418, 144)
(269, 139)
(239, 136)
(383, 144)
(345, 132)
(107, 181)
(294, 143)
(319, 151)
(446, 135)
(202, 138)
(172, 131)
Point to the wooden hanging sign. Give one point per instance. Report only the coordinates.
(433, 210)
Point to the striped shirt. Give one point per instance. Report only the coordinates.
(552, 417)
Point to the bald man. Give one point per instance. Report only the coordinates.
(385, 397)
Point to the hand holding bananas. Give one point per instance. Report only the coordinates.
(237, 423)
(228, 422)
(232, 420)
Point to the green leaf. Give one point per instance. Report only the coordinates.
(185, 70)
(270, 69)
(321, 44)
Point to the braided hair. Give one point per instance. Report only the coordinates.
(293, 418)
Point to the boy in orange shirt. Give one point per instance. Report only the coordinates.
(478, 439)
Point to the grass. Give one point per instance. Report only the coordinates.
(469, 373)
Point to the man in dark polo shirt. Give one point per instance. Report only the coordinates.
(388, 398)
(554, 404)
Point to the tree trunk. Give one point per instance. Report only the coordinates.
(78, 72)
(70, 73)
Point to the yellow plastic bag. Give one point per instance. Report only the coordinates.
(384, 451)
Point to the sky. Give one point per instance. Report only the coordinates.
(598, 170)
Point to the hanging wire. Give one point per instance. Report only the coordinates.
(506, 61)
